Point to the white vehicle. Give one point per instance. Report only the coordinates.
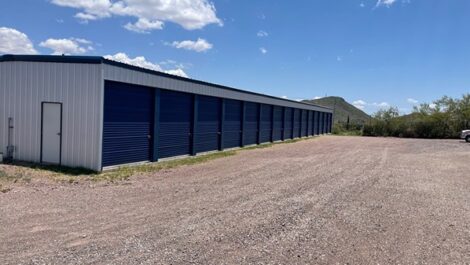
(465, 135)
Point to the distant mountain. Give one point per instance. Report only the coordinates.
(341, 110)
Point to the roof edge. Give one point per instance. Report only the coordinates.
(102, 60)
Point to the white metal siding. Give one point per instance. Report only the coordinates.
(120, 74)
(24, 85)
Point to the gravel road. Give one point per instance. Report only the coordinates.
(328, 200)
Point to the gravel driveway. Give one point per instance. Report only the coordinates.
(328, 200)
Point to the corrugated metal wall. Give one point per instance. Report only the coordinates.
(24, 85)
(80, 88)
(120, 74)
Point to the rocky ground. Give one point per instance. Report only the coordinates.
(328, 200)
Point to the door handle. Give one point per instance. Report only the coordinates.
(149, 136)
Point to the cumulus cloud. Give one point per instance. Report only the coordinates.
(143, 25)
(386, 3)
(412, 101)
(361, 104)
(178, 72)
(190, 14)
(262, 34)
(201, 45)
(15, 42)
(263, 50)
(381, 104)
(67, 46)
(141, 61)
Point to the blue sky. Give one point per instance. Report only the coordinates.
(373, 53)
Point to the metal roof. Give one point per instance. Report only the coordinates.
(102, 60)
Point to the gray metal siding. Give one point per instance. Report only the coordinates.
(115, 73)
(24, 85)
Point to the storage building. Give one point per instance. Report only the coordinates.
(90, 112)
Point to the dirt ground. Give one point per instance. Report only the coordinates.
(328, 200)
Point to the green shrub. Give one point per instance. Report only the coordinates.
(445, 118)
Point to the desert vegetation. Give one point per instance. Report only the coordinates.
(444, 119)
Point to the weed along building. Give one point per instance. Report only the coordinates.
(94, 113)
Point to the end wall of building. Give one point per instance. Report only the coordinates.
(25, 85)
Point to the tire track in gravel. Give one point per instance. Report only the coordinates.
(322, 201)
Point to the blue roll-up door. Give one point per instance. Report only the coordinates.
(304, 130)
(266, 123)
(310, 123)
(127, 123)
(331, 123)
(232, 123)
(322, 122)
(288, 124)
(277, 125)
(330, 128)
(315, 122)
(175, 110)
(296, 123)
(251, 123)
(327, 123)
(207, 133)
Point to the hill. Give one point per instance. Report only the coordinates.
(341, 110)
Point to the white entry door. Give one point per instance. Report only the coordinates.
(51, 133)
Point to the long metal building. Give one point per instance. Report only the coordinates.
(90, 112)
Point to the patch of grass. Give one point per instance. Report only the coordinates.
(124, 173)
(62, 170)
(349, 133)
(7, 179)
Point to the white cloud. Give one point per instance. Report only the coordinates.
(67, 46)
(15, 42)
(201, 45)
(317, 97)
(339, 58)
(386, 3)
(362, 4)
(190, 14)
(284, 97)
(263, 50)
(178, 72)
(361, 104)
(140, 61)
(412, 101)
(262, 34)
(143, 25)
(381, 104)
